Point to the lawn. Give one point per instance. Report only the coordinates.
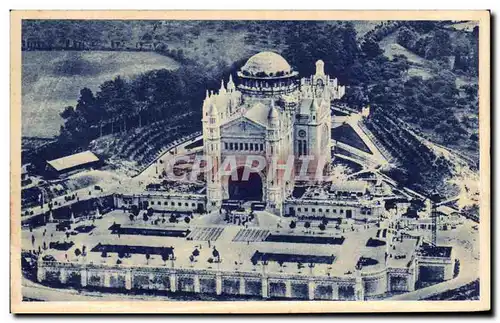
(52, 80)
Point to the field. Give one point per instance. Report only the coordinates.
(52, 80)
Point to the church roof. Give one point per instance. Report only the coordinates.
(260, 113)
(266, 62)
(305, 106)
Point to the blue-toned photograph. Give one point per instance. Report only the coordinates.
(250, 160)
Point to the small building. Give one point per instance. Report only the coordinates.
(435, 263)
(70, 164)
(349, 188)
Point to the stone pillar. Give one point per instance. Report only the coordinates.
(83, 277)
(311, 289)
(218, 284)
(358, 287)
(107, 279)
(63, 276)
(173, 282)
(151, 276)
(40, 273)
(288, 288)
(265, 290)
(128, 280)
(242, 285)
(196, 282)
(411, 280)
(335, 292)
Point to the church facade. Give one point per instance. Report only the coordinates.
(273, 114)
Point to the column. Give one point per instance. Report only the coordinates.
(265, 291)
(196, 281)
(335, 292)
(358, 288)
(63, 276)
(40, 273)
(173, 282)
(242, 286)
(288, 288)
(312, 287)
(83, 277)
(128, 280)
(107, 279)
(151, 277)
(411, 280)
(218, 284)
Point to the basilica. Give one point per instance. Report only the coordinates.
(269, 112)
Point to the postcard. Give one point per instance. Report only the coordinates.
(250, 161)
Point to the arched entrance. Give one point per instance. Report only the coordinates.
(245, 190)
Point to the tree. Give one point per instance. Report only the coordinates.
(68, 112)
(196, 252)
(191, 259)
(187, 219)
(135, 210)
(281, 263)
(145, 216)
(77, 252)
(164, 257)
(407, 37)
(254, 262)
(216, 254)
(371, 48)
(322, 227)
(307, 225)
(150, 212)
(311, 267)
(292, 224)
(148, 256)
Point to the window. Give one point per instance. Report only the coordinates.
(313, 210)
(246, 146)
(241, 146)
(305, 209)
(320, 210)
(231, 146)
(225, 145)
(179, 204)
(334, 210)
(165, 203)
(299, 209)
(261, 147)
(192, 204)
(251, 146)
(186, 204)
(172, 203)
(327, 210)
(152, 202)
(341, 211)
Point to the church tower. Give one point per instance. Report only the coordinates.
(273, 153)
(213, 153)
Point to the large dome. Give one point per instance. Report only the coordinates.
(267, 63)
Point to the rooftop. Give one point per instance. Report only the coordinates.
(269, 63)
(435, 251)
(350, 186)
(71, 161)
